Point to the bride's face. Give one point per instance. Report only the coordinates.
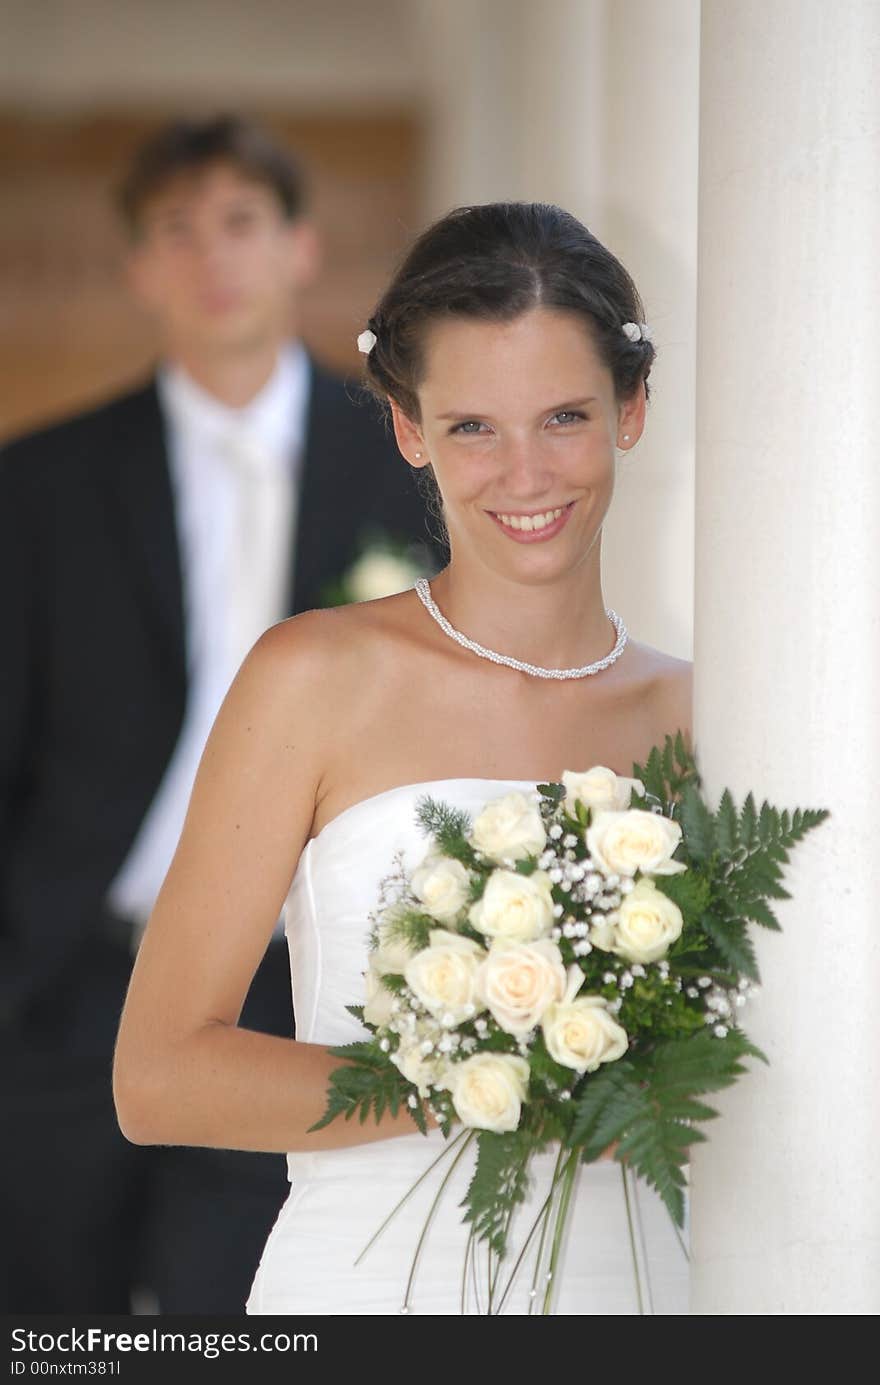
(520, 422)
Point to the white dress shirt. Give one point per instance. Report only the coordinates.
(220, 501)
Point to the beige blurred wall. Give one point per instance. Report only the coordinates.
(297, 53)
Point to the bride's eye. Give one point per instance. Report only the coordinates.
(469, 427)
(569, 416)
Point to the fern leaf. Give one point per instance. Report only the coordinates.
(698, 825)
(727, 826)
(650, 1106)
(731, 938)
(760, 912)
(690, 891)
(366, 1084)
(500, 1182)
(748, 823)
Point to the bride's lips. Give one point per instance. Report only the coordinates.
(547, 531)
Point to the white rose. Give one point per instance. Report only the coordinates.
(443, 976)
(377, 1006)
(622, 843)
(423, 1070)
(509, 828)
(648, 922)
(599, 788)
(442, 885)
(379, 574)
(582, 1033)
(603, 930)
(514, 906)
(392, 951)
(517, 981)
(488, 1090)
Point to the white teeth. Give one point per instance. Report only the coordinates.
(530, 522)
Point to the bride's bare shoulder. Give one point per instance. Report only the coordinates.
(669, 687)
(336, 642)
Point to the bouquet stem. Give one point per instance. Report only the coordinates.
(463, 1135)
(429, 1218)
(569, 1174)
(632, 1241)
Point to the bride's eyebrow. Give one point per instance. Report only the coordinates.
(456, 417)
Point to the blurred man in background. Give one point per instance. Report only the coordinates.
(144, 546)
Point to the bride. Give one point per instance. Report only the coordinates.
(511, 351)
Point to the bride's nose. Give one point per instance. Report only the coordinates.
(526, 472)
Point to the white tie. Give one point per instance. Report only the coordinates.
(262, 522)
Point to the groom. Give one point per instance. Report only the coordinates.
(143, 546)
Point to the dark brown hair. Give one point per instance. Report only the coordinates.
(189, 146)
(494, 262)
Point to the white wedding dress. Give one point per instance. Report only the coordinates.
(339, 1198)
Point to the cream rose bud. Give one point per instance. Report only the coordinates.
(488, 1090)
(514, 906)
(509, 828)
(599, 788)
(622, 843)
(603, 930)
(443, 976)
(424, 1071)
(648, 923)
(443, 885)
(517, 981)
(377, 1006)
(583, 1033)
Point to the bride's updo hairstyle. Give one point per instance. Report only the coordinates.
(493, 262)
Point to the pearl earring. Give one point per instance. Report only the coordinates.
(418, 455)
(626, 437)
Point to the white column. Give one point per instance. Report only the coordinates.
(645, 209)
(593, 104)
(785, 1197)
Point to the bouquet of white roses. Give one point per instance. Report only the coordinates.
(568, 969)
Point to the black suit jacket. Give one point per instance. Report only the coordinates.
(93, 673)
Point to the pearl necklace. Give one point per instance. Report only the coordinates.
(423, 590)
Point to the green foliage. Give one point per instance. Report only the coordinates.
(449, 828)
(690, 890)
(649, 1103)
(666, 772)
(499, 1183)
(653, 1010)
(555, 793)
(367, 1083)
(408, 924)
(697, 825)
(526, 865)
(730, 936)
(546, 1075)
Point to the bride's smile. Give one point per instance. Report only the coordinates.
(536, 527)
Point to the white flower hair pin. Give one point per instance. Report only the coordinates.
(366, 341)
(637, 331)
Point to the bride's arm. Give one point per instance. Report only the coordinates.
(183, 1073)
